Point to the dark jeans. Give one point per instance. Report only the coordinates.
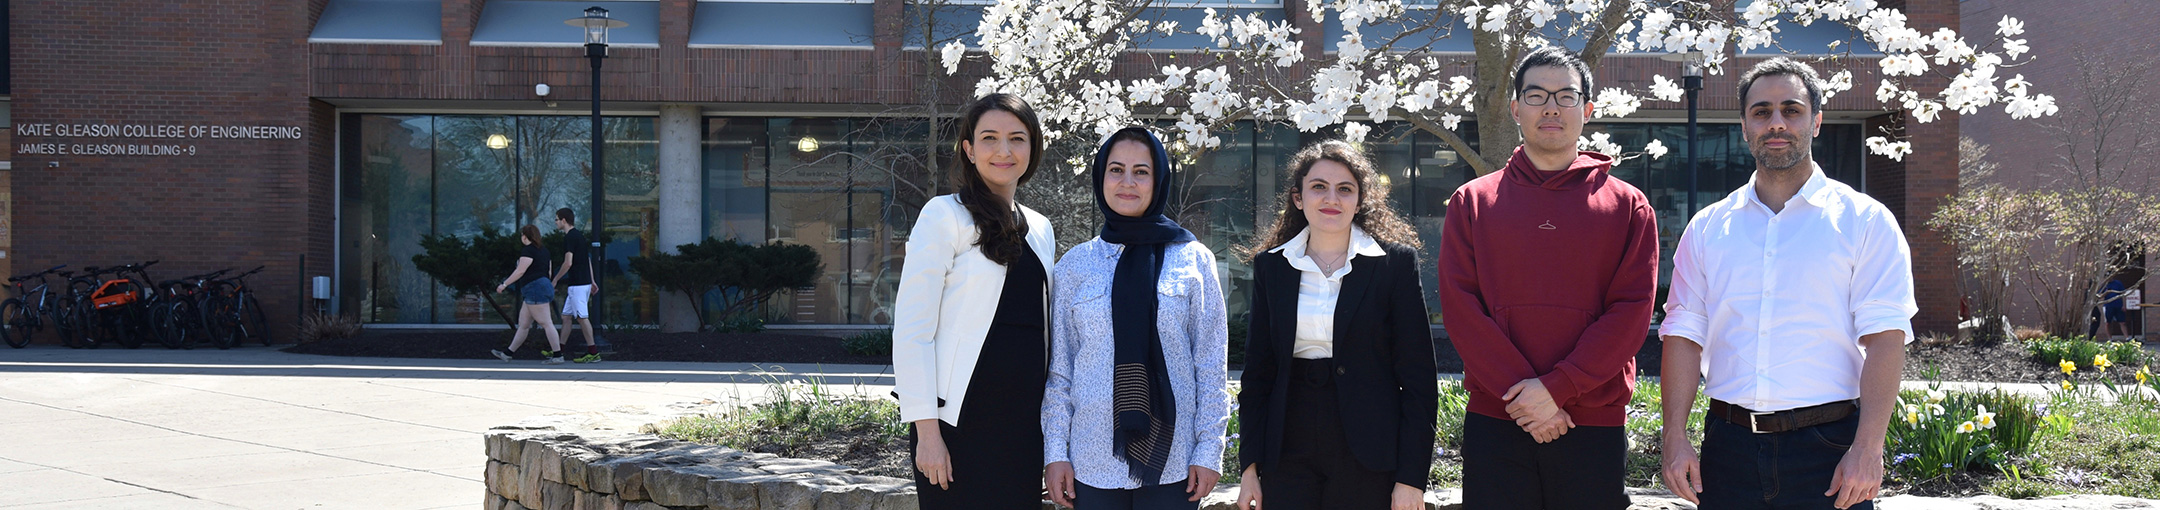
(1169, 496)
(1787, 470)
(1505, 468)
(1316, 470)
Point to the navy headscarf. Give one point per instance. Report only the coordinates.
(1146, 411)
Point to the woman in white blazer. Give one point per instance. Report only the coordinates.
(970, 335)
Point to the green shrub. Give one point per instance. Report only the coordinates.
(2082, 350)
(871, 343)
(740, 323)
(745, 275)
(797, 414)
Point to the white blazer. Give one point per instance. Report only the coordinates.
(948, 294)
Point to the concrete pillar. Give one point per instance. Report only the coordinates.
(681, 201)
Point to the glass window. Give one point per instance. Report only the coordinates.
(388, 207)
(809, 179)
(475, 189)
(735, 179)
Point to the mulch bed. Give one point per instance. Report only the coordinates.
(1997, 362)
(768, 347)
(860, 448)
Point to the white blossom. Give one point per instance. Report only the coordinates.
(1174, 76)
(1840, 82)
(1665, 89)
(1450, 121)
(2009, 27)
(1886, 92)
(1496, 18)
(1582, 6)
(1539, 12)
(1598, 142)
(951, 54)
(1884, 147)
(2015, 47)
(1354, 132)
(2024, 107)
(1656, 149)
(1613, 102)
(1420, 97)
(1352, 47)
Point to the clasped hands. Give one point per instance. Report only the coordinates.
(1533, 409)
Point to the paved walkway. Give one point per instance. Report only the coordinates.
(255, 428)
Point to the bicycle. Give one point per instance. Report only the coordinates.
(182, 320)
(238, 307)
(81, 311)
(122, 304)
(22, 316)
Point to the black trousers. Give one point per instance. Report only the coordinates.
(1505, 468)
(1787, 470)
(997, 451)
(1316, 470)
(1170, 496)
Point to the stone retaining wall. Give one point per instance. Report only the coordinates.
(612, 461)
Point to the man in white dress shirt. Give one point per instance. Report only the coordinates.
(1791, 302)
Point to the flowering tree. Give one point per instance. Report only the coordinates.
(1061, 54)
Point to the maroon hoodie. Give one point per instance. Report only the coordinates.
(1550, 275)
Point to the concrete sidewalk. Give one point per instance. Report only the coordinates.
(256, 428)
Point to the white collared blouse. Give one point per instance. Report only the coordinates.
(1317, 292)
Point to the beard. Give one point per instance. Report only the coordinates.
(1800, 150)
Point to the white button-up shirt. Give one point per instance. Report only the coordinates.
(1779, 301)
(1318, 291)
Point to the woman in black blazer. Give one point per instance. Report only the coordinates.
(1339, 392)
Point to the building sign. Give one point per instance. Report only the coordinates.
(139, 139)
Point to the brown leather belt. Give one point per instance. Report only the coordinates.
(1783, 421)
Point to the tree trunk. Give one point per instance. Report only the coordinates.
(1497, 133)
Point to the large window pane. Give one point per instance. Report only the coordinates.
(388, 207)
(475, 189)
(632, 222)
(735, 179)
(808, 192)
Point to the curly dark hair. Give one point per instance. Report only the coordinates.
(1003, 234)
(1373, 213)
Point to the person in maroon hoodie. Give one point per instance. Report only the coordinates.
(1548, 272)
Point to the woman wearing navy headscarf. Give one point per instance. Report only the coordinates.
(1137, 403)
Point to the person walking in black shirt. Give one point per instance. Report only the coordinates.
(536, 291)
(577, 273)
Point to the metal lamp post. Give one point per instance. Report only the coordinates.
(596, 24)
(1691, 76)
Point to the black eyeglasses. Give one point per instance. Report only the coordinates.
(1565, 98)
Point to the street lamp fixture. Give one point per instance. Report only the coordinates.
(1691, 75)
(596, 25)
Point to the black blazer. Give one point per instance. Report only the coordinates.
(1387, 379)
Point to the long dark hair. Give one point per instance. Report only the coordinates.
(1001, 233)
(1373, 214)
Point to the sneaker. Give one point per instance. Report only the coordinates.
(553, 361)
(589, 358)
(499, 354)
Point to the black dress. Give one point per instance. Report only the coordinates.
(997, 450)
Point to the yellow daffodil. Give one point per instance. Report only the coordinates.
(2144, 373)
(1966, 428)
(2066, 385)
(1985, 419)
(2101, 362)
(2068, 366)
(1912, 418)
(1935, 395)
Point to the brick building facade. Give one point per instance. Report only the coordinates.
(364, 110)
